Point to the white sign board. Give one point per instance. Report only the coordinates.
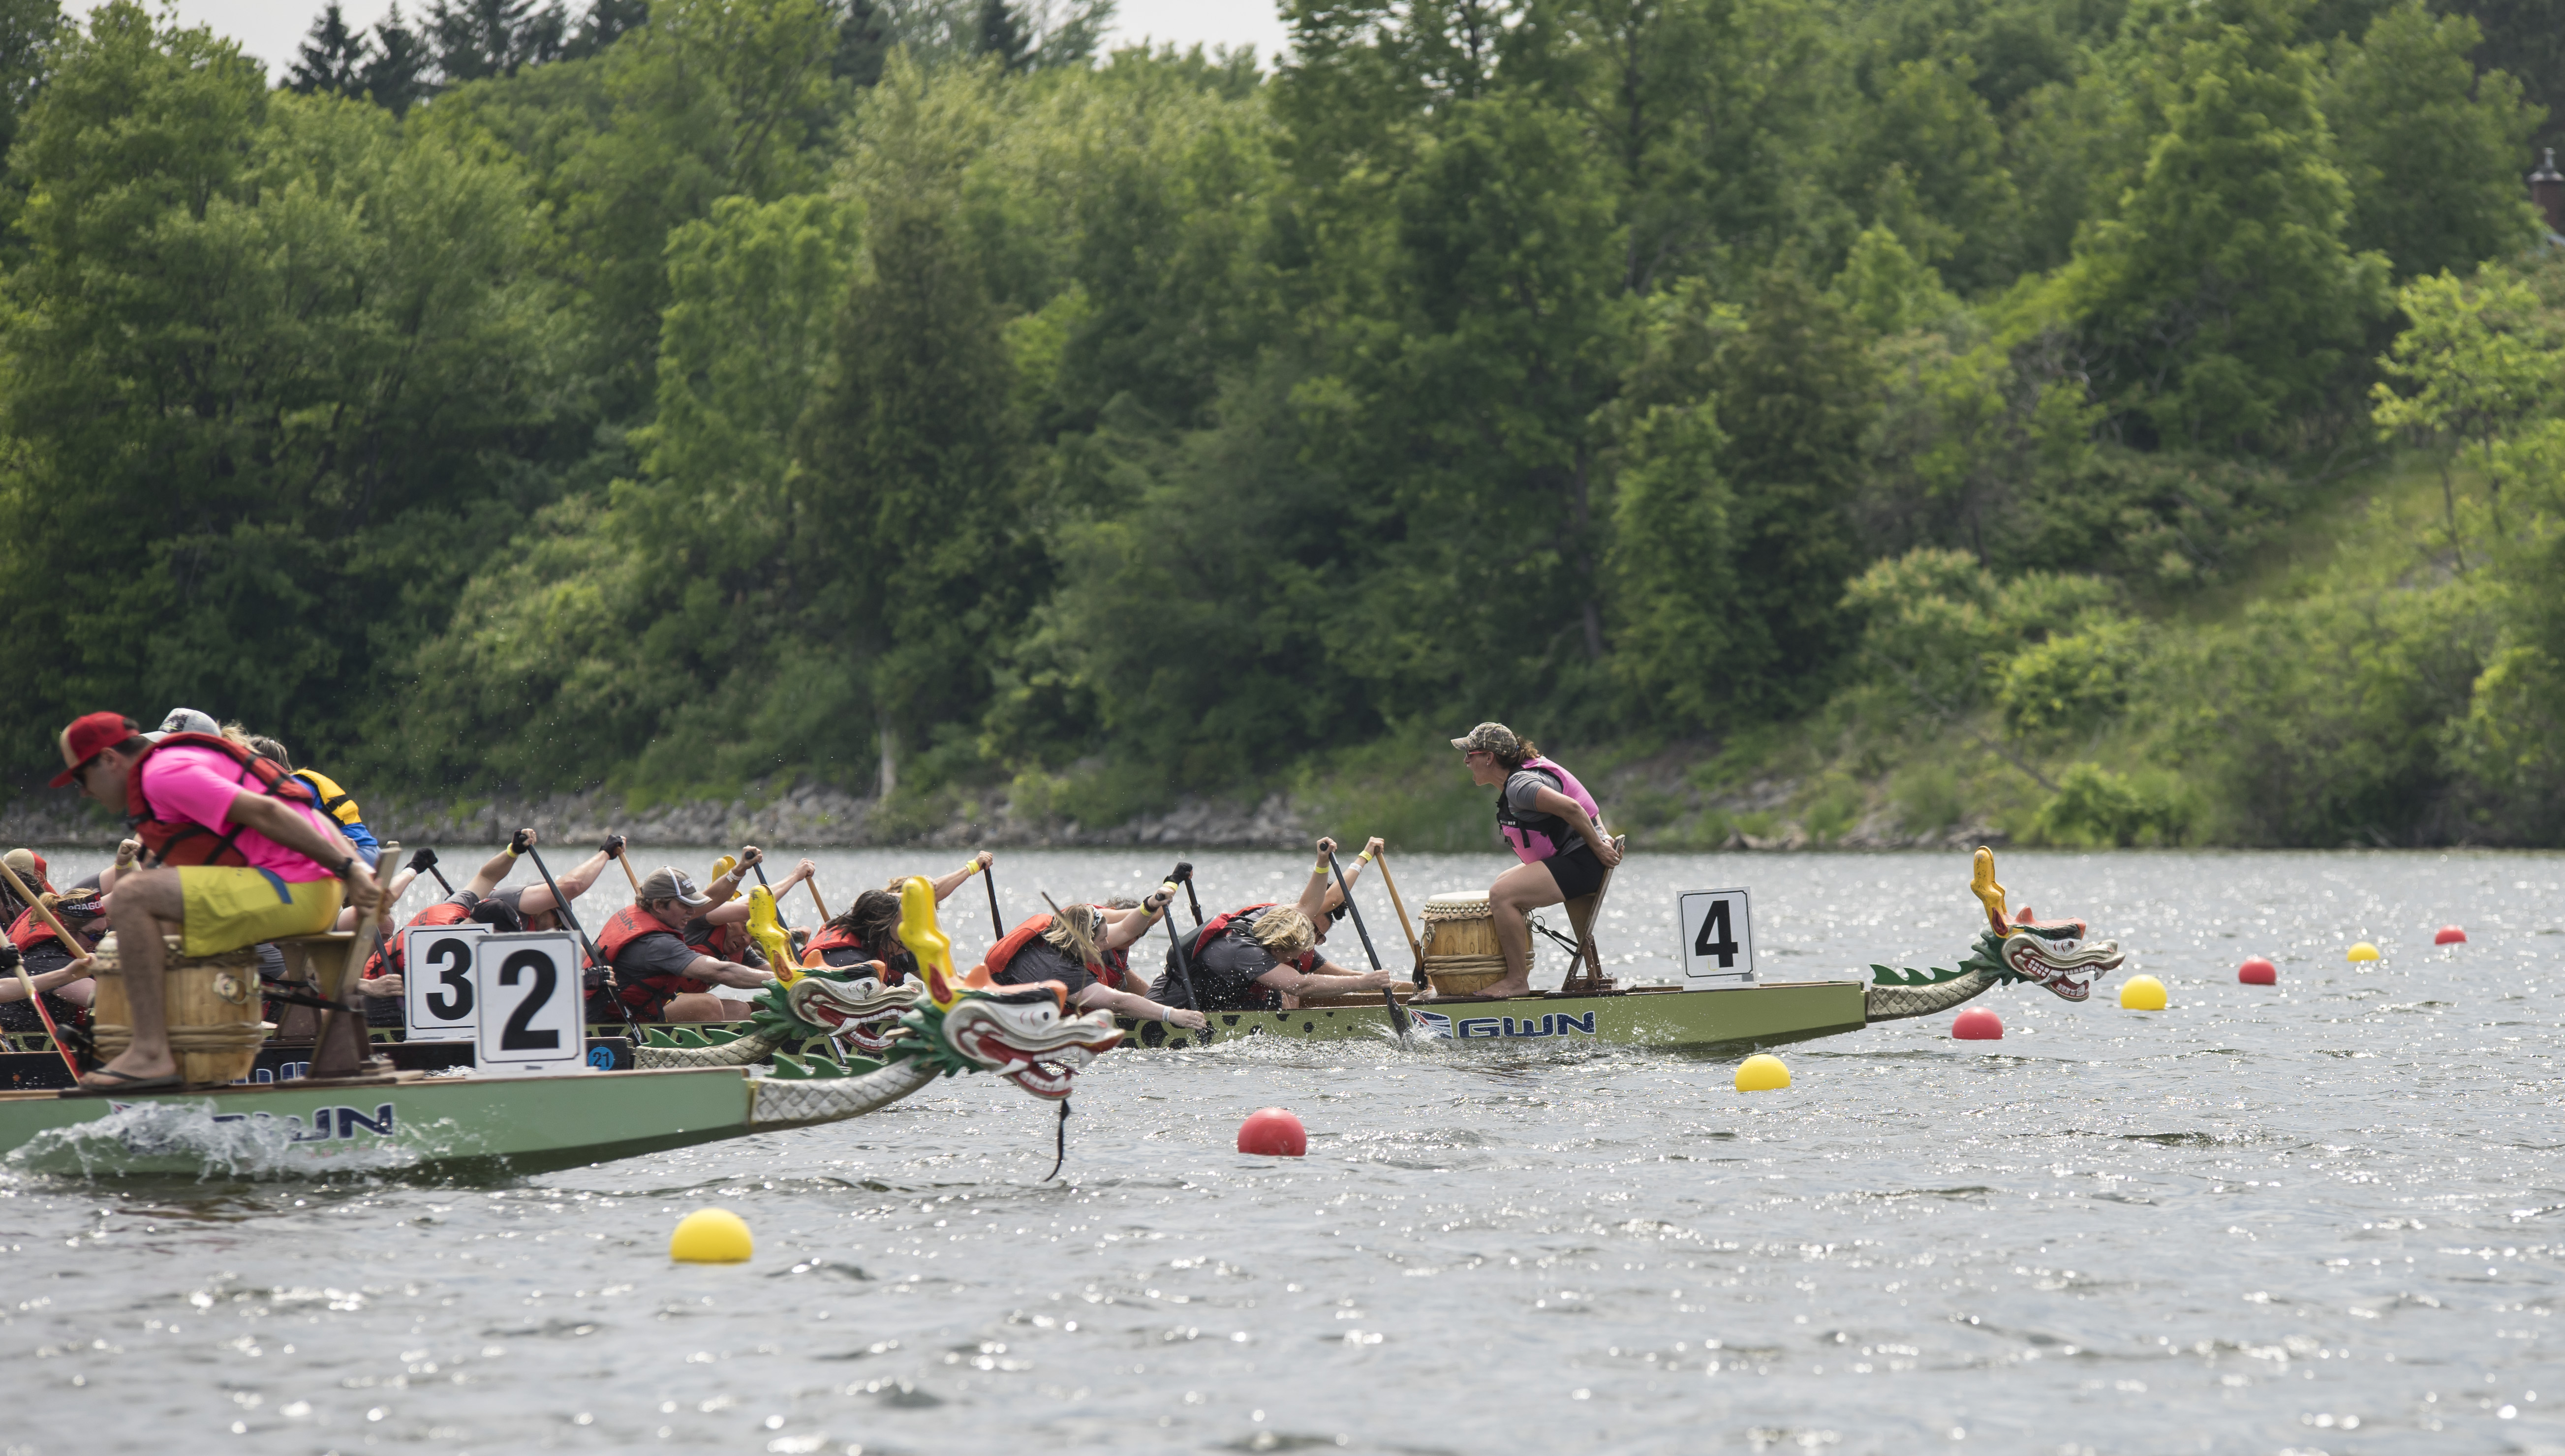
(1718, 937)
(436, 981)
(533, 1022)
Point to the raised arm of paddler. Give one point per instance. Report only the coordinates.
(974, 864)
(725, 886)
(129, 857)
(574, 882)
(1314, 895)
(737, 909)
(1124, 928)
(500, 864)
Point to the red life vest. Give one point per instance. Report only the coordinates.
(815, 955)
(1110, 972)
(186, 842)
(1217, 925)
(29, 931)
(443, 913)
(644, 994)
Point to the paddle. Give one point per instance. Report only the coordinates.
(996, 922)
(560, 906)
(1185, 876)
(1413, 945)
(815, 901)
(1397, 1021)
(28, 982)
(1175, 938)
(616, 845)
(425, 859)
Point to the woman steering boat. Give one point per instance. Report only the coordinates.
(1554, 828)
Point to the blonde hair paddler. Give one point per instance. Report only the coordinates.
(1074, 930)
(1285, 933)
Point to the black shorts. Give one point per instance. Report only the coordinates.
(1577, 872)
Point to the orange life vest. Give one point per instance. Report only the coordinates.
(186, 842)
(443, 913)
(1110, 972)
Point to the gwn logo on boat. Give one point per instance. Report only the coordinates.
(1497, 1028)
(328, 1123)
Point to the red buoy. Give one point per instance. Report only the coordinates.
(1977, 1024)
(2450, 936)
(1272, 1133)
(2255, 971)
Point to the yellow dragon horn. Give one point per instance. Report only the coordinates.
(766, 927)
(1981, 884)
(927, 941)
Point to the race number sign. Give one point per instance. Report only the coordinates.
(532, 1021)
(436, 981)
(1718, 937)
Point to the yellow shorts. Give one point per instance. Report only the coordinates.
(231, 906)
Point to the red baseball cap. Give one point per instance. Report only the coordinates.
(90, 734)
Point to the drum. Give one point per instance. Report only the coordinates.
(1460, 942)
(210, 1003)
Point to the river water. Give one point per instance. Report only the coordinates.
(2320, 1217)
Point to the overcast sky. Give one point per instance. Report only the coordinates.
(272, 29)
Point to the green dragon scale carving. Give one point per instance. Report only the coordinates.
(2051, 953)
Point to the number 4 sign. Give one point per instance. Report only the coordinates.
(1717, 935)
(531, 1022)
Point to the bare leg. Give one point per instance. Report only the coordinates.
(146, 907)
(1511, 900)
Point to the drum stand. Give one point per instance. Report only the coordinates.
(340, 1049)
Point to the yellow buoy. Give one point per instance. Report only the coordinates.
(2363, 951)
(711, 1236)
(1762, 1072)
(2142, 993)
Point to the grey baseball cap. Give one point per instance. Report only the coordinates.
(186, 720)
(672, 884)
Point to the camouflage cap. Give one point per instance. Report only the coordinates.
(1495, 737)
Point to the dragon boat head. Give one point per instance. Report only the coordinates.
(2051, 953)
(850, 1002)
(1025, 1034)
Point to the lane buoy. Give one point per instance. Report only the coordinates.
(1272, 1133)
(1762, 1072)
(2255, 971)
(2142, 993)
(2450, 936)
(711, 1236)
(1977, 1024)
(2363, 951)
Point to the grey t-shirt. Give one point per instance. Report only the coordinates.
(1523, 790)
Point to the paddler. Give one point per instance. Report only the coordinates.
(1262, 956)
(1552, 825)
(335, 801)
(245, 855)
(1086, 948)
(723, 928)
(61, 972)
(660, 975)
(868, 929)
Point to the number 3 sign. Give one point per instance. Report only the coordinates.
(531, 1022)
(436, 981)
(1717, 935)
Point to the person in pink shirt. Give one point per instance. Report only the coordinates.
(244, 855)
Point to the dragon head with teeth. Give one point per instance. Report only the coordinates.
(850, 1002)
(2012, 949)
(1025, 1034)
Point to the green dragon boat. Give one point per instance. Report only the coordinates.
(866, 1047)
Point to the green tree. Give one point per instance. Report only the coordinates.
(2220, 292)
(2475, 363)
(2434, 152)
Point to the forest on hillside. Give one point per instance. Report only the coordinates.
(906, 394)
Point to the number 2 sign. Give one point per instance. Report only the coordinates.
(532, 1020)
(1717, 935)
(436, 981)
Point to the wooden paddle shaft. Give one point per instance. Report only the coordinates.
(814, 883)
(1414, 945)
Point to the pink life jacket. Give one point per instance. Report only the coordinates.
(1536, 836)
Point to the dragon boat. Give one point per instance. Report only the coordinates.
(862, 1046)
(2009, 951)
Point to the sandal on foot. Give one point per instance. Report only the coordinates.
(126, 1084)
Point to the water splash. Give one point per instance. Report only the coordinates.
(190, 1139)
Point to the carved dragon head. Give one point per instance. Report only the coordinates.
(1025, 1034)
(2050, 953)
(848, 1002)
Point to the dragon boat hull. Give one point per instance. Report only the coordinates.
(446, 1124)
(1759, 1015)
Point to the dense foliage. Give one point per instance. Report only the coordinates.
(896, 392)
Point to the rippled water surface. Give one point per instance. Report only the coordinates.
(2320, 1217)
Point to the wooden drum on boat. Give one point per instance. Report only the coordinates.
(211, 1004)
(1460, 941)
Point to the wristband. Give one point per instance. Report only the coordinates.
(1362, 859)
(1319, 868)
(513, 851)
